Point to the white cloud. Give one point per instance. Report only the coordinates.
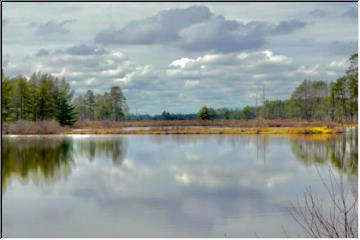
(309, 70)
(339, 64)
(191, 83)
(98, 71)
(165, 76)
(182, 62)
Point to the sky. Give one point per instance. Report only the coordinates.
(177, 56)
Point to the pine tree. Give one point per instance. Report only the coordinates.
(117, 103)
(66, 115)
(6, 92)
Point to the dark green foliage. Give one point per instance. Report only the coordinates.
(275, 109)
(309, 101)
(67, 114)
(164, 116)
(109, 106)
(206, 113)
(249, 113)
(42, 97)
(6, 92)
(118, 108)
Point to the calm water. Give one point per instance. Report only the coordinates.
(164, 186)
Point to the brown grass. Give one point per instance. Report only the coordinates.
(204, 123)
(302, 130)
(30, 127)
(177, 127)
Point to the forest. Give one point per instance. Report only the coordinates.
(46, 97)
(311, 100)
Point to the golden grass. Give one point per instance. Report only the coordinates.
(296, 130)
(312, 137)
(257, 123)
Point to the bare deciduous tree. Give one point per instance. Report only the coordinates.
(339, 219)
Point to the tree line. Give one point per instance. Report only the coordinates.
(108, 106)
(41, 97)
(46, 97)
(164, 116)
(311, 100)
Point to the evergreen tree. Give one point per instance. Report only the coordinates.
(117, 103)
(66, 111)
(46, 98)
(21, 98)
(6, 93)
(204, 114)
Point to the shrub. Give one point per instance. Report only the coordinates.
(29, 127)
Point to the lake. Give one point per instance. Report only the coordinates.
(165, 185)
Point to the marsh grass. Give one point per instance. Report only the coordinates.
(208, 123)
(298, 130)
(175, 127)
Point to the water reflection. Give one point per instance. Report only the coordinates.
(46, 159)
(168, 186)
(339, 150)
(100, 147)
(39, 159)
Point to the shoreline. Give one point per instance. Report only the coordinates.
(193, 131)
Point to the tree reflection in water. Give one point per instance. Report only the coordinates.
(339, 150)
(38, 159)
(113, 147)
(47, 159)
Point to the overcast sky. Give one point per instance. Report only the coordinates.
(181, 56)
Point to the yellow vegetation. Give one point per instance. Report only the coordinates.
(296, 130)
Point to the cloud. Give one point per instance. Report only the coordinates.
(239, 76)
(226, 79)
(51, 27)
(86, 67)
(317, 13)
(42, 52)
(160, 28)
(191, 83)
(4, 22)
(287, 27)
(313, 70)
(344, 48)
(242, 59)
(182, 62)
(339, 63)
(351, 13)
(196, 28)
(80, 50)
(84, 49)
(5, 61)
